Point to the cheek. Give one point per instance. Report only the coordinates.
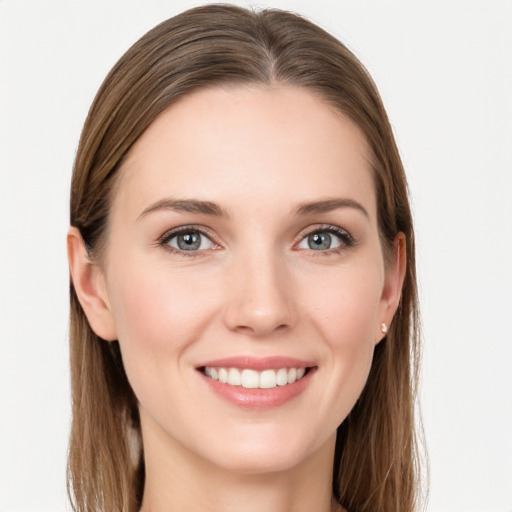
(346, 315)
(158, 313)
(156, 306)
(346, 307)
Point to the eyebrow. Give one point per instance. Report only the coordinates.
(210, 208)
(185, 205)
(328, 205)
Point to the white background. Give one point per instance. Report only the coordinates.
(444, 68)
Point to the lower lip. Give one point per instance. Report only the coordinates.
(259, 399)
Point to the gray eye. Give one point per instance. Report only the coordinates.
(190, 241)
(319, 241)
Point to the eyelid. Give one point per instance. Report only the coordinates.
(347, 240)
(163, 240)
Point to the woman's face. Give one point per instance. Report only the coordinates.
(243, 246)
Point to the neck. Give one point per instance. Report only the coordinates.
(179, 480)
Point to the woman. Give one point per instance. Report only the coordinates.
(243, 299)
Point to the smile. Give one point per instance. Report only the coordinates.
(257, 383)
(253, 379)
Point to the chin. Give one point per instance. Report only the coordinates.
(255, 464)
(269, 454)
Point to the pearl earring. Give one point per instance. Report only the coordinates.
(384, 328)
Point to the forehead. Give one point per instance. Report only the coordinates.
(239, 143)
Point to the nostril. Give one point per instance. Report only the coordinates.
(260, 329)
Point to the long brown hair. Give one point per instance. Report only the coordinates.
(376, 461)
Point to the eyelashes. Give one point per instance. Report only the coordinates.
(326, 238)
(188, 240)
(192, 240)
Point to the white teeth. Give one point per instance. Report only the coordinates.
(234, 377)
(223, 375)
(282, 377)
(268, 379)
(252, 379)
(292, 375)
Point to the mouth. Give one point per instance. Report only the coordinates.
(252, 379)
(253, 383)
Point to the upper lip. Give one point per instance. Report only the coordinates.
(258, 363)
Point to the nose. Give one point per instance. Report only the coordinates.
(260, 296)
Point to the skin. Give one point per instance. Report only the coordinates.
(255, 287)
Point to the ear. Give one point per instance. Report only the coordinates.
(90, 287)
(392, 290)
